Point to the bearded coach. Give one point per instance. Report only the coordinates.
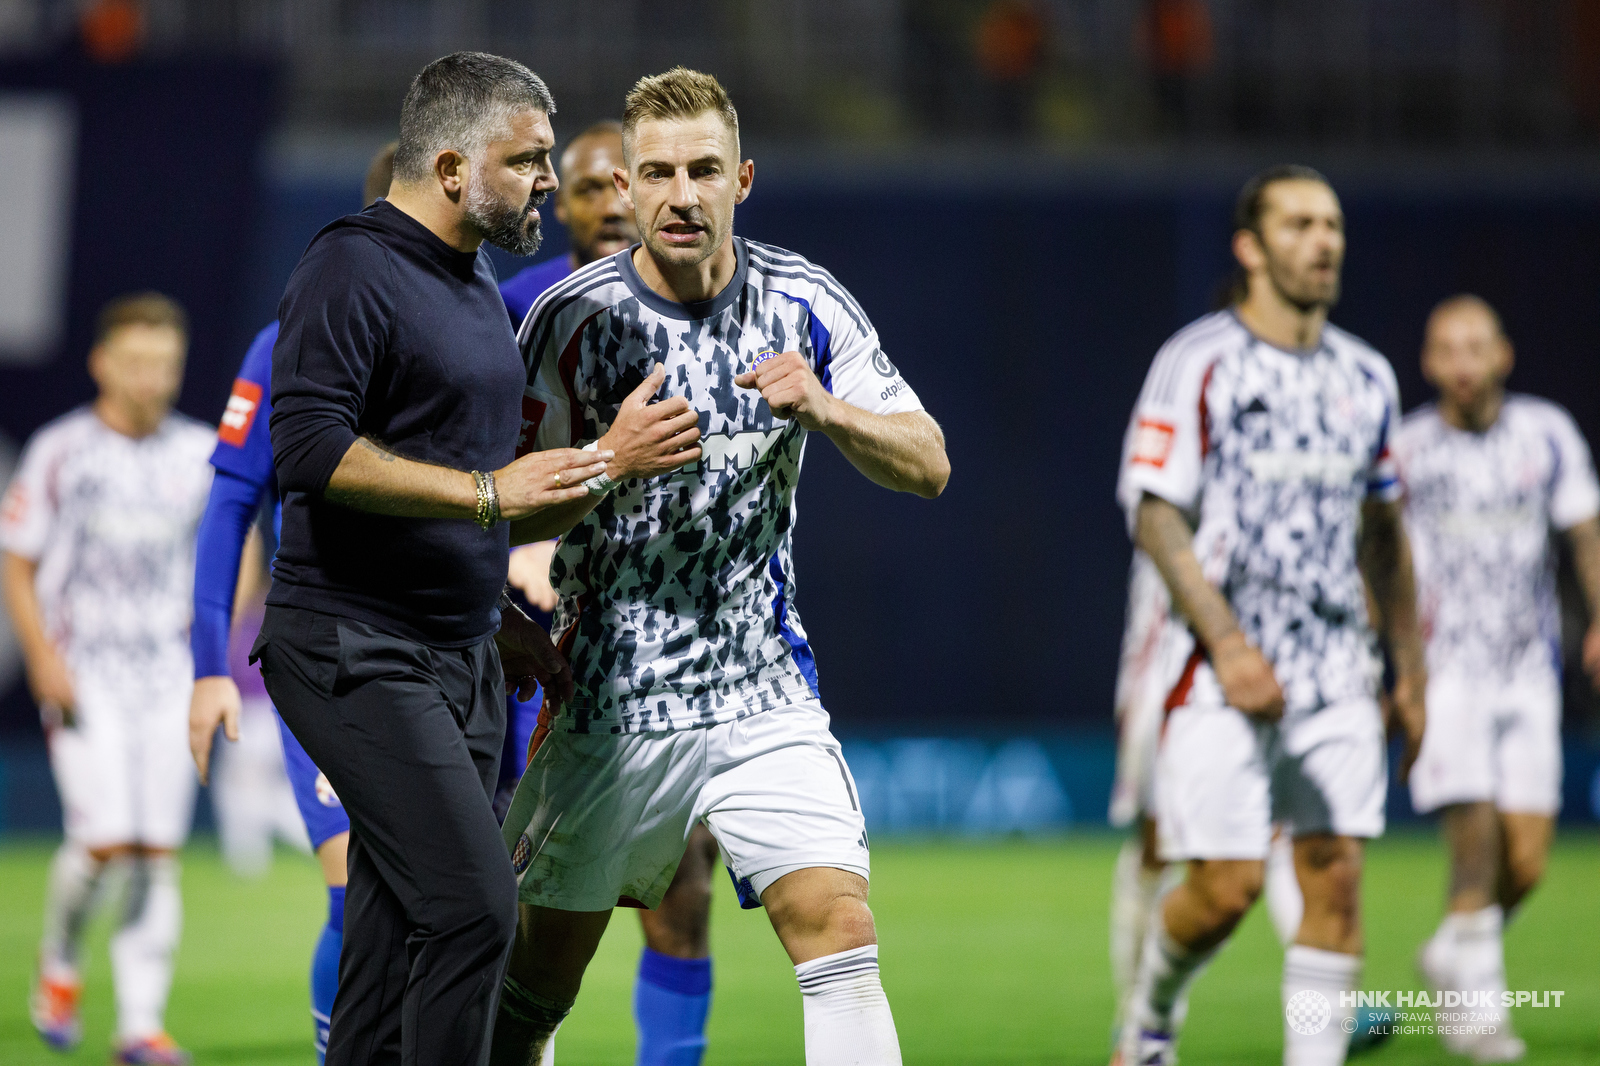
(397, 406)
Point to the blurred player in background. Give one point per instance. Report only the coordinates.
(672, 991)
(246, 481)
(695, 687)
(98, 531)
(1488, 478)
(1257, 476)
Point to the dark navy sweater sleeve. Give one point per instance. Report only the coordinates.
(334, 322)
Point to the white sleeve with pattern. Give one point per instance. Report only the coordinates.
(547, 416)
(1383, 473)
(1164, 447)
(28, 512)
(850, 359)
(1575, 496)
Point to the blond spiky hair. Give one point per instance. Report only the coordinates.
(679, 93)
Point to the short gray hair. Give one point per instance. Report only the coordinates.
(462, 102)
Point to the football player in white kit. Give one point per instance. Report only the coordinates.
(696, 689)
(1488, 478)
(98, 532)
(1257, 477)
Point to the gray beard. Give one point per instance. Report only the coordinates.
(505, 225)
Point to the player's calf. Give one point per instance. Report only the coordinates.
(1329, 871)
(1201, 912)
(1526, 851)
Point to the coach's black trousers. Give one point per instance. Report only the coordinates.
(409, 736)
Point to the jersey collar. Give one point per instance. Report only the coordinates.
(691, 311)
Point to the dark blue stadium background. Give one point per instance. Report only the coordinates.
(1023, 309)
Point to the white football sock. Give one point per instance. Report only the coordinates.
(1134, 890)
(1480, 958)
(847, 1015)
(1160, 997)
(1325, 973)
(76, 887)
(144, 944)
(1285, 905)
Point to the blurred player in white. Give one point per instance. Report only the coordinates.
(696, 692)
(1488, 478)
(1256, 475)
(98, 531)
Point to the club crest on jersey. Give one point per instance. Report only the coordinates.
(325, 793)
(240, 414)
(1152, 442)
(762, 356)
(521, 855)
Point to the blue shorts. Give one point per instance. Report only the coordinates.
(319, 806)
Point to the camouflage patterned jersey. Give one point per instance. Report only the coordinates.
(677, 592)
(1271, 453)
(1480, 508)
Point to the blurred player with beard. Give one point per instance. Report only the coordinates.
(396, 392)
(1489, 477)
(1257, 477)
(672, 991)
(98, 530)
(696, 693)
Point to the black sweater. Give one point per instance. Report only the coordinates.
(387, 332)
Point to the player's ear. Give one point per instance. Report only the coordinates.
(1248, 251)
(1508, 359)
(620, 177)
(746, 175)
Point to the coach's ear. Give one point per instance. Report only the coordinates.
(451, 170)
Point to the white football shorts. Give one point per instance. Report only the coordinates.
(1139, 722)
(1223, 779)
(602, 819)
(123, 769)
(1492, 741)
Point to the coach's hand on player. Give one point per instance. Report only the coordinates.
(215, 702)
(791, 388)
(1246, 678)
(544, 479)
(1410, 713)
(528, 656)
(652, 438)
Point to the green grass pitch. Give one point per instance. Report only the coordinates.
(993, 952)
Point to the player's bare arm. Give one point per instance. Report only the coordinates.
(1385, 561)
(645, 440)
(49, 678)
(1243, 672)
(529, 658)
(1584, 539)
(904, 451)
(371, 478)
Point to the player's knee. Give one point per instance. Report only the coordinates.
(1229, 889)
(839, 914)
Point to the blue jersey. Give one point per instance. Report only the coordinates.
(244, 445)
(520, 291)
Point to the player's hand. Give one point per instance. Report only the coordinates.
(528, 656)
(544, 479)
(1411, 714)
(652, 438)
(1591, 654)
(215, 702)
(530, 573)
(791, 389)
(1247, 680)
(50, 681)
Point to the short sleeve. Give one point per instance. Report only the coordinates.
(1164, 447)
(849, 358)
(244, 440)
(28, 511)
(1574, 494)
(552, 342)
(1383, 472)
